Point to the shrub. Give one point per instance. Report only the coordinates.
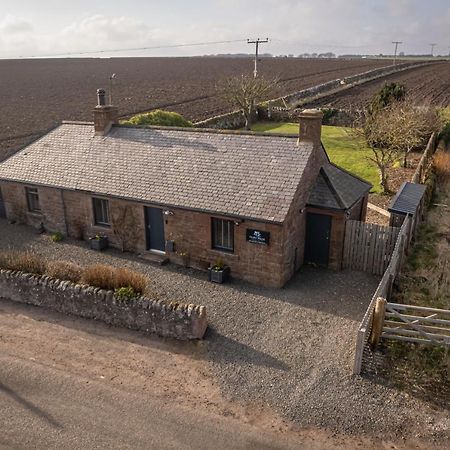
(129, 278)
(56, 237)
(158, 117)
(328, 114)
(442, 165)
(107, 277)
(125, 293)
(64, 271)
(445, 134)
(23, 262)
(99, 275)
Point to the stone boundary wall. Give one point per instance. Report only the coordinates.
(297, 98)
(236, 120)
(179, 321)
(227, 121)
(339, 117)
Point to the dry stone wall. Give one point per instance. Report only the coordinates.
(174, 320)
(236, 120)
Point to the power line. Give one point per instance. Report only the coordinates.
(117, 50)
(257, 42)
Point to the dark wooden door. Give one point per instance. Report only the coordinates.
(2, 207)
(154, 223)
(317, 239)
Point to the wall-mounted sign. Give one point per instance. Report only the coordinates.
(258, 237)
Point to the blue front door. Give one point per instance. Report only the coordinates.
(154, 223)
(317, 239)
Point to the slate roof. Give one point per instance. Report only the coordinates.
(252, 176)
(335, 188)
(407, 198)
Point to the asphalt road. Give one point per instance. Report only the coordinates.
(43, 408)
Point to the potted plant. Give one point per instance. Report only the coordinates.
(99, 242)
(219, 272)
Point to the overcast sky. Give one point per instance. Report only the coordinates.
(47, 27)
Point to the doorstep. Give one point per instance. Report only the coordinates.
(158, 258)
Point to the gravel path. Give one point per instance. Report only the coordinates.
(290, 350)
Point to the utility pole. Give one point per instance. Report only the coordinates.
(432, 48)
(257, 42)
(395, 51)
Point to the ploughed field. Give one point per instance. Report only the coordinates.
(38, 94)
(426, 85)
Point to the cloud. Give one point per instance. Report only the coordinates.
(16, 36)
(294, 26)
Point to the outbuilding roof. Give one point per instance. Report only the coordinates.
(407, 198)
(335, 188)
(253, 176)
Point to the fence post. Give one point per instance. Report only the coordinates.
(360, 342)
(378, 322)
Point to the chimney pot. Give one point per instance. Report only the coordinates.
(101, 97)
(310, 125)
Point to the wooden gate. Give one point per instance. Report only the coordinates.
(368, 246)
(416, 324)
(410, 323)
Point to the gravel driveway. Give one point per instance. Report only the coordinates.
(288, 350)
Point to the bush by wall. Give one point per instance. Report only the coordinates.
(159, 117)
(97, 275)
(110, 278)
(23, 261)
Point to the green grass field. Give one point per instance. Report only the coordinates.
(343, 148)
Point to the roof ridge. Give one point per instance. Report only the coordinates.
(208, 130)
(350, 174)
(332, 189)
(76, 122)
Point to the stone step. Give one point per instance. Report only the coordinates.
(157, 258)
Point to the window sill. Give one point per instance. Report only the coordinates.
(35, 214)
(101, 227)
(227, 253)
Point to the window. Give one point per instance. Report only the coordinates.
(32, 199)
(223, 234)
(101, 212)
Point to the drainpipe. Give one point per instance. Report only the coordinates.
(64, 211)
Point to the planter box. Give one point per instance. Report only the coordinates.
(99, 243)
(170, 246)
(219, 276)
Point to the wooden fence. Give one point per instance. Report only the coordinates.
(383, 290)
(368, 246)
(425, 161)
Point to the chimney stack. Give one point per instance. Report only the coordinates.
(104, 115)
(310, 127)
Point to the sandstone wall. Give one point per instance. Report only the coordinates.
(178, 321)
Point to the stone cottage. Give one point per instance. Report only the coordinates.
(265, 204)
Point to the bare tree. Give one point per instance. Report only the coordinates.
(125, 226)
(373, 130)
(406, 126)
(394, 131)
(245, 92)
